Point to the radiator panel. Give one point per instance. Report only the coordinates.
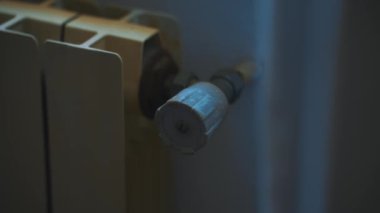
(22, 166)
(86, 127)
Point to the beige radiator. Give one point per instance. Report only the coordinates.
(72, 137)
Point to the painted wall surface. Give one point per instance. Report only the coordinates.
(355, 169)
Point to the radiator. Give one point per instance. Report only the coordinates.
(91, 96)
(72, 136)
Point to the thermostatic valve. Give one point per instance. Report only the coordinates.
(188, 120)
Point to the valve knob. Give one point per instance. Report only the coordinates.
(187, 120)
